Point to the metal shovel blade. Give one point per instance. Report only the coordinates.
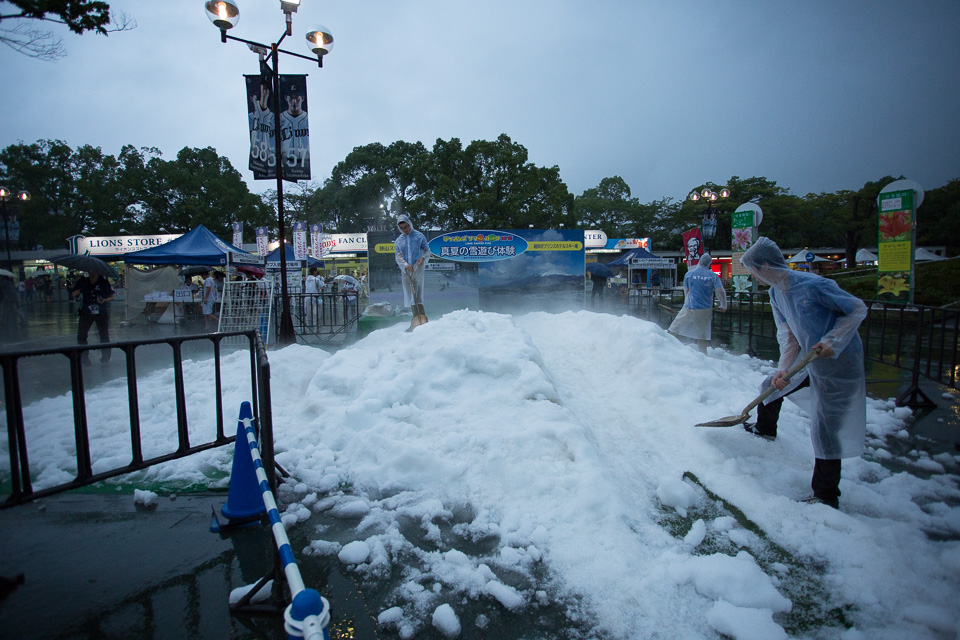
(729, 421)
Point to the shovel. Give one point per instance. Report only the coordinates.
(731, 421)
(419, 315)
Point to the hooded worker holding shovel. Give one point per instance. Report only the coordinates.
(813, 313)
(412, 254)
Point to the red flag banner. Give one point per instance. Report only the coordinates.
(693, 246)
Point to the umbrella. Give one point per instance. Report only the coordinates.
(349, 279)
(193, 271)
(600, 270)
(86, 263)
(4, 272)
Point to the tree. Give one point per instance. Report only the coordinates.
(199, 187)
(938, 218)
(490, 185)
(609, 206)
(89, 192)
(80, 16)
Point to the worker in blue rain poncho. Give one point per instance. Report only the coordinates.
(412, 254)
(696, 317)
(812, 312)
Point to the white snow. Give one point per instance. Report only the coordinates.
(145, 498)
(446, 621)
(517, 460)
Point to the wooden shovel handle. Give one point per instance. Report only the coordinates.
(810, 357)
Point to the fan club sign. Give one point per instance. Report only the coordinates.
(293, 125)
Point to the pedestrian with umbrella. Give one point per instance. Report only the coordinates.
(599, 273)
(93, 292)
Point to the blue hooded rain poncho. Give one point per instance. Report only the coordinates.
(809, 309)
(699, 286)
(410, 248)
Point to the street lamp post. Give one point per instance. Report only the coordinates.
(6, 194)
(224, 14)
(708, 226)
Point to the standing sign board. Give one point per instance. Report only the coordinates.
(741, 233)
(895, 243)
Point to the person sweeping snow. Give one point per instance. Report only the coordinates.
(812, 312)
(412, 254)
(696, 316)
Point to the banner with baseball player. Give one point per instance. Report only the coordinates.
(294, 127)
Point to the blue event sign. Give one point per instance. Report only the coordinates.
(478, 246)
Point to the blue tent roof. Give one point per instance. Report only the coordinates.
(274, 256)
(197, 246)
(639, 252)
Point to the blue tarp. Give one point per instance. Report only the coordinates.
(274, 256)
(624, 260)
(197, 246)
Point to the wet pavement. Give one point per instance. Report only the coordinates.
(95, 565)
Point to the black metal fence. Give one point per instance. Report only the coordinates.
(321, 317)
(923, 340)
(45, 362)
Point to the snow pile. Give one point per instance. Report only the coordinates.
(511, 462)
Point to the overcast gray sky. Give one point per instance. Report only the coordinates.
(818, 95)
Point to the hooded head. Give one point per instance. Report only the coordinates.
(705, 261)
(765, 261)
(404, 224)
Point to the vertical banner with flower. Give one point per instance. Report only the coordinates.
(741, 225)
(262, 241)
(895, 243)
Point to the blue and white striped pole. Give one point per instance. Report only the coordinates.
(309, 613)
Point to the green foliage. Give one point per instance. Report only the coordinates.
(937, 285)
(938, 218)
(485, 184)
(85, 191)
(79, 15)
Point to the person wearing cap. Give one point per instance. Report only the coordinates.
(810, 313)
(94, 293)
(695, 319)
(412, 253)
(295, 131)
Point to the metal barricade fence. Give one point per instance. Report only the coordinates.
(322, 317)
(21, 478)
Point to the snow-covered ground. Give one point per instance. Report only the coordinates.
(516, 462)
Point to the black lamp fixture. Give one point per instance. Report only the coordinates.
(225, 14)
(5, 194)
(708, 227)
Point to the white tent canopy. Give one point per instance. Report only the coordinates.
(865, 256)
(922, 254)
(802, 257)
